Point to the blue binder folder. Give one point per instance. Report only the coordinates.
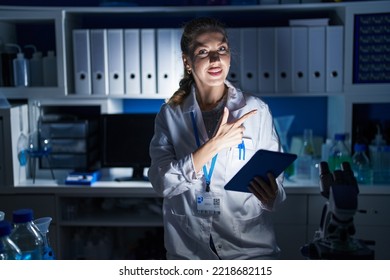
(262, 162)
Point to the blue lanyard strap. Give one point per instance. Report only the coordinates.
(207, 174)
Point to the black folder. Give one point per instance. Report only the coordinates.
(262, 162)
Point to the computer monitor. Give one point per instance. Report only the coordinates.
(125, 142)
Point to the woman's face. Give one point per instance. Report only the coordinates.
(211, 59)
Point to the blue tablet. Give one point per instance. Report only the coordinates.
(262, 162)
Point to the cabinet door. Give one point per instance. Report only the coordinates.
(290, 226)
(373, 224)
(42, 205)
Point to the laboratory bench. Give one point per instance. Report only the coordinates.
(126, 215)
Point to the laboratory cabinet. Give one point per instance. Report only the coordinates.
(124, 220)
(110, 227)
(290, 221)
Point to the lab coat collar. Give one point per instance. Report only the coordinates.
(235, 101)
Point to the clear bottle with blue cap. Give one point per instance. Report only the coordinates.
(26, 235)
(8, 249)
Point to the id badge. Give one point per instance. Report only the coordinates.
(208, 203)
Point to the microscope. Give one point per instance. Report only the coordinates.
(334, 238)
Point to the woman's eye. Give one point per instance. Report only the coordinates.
(202, 53)
(222, 50)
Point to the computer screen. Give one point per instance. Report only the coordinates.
(125, 142)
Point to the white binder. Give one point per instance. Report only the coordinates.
(248, 49)
(179, 68)
(334, 58)
(165, 62)
(317, 59)
(234, 35)
(82, 61)
(283, 59)
(132, 61)
(116, 67)
(266, 59)
(148, 62)
(99, 61)
(299, 50)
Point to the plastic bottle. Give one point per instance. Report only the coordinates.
(338, 153)
(36, 67)
(361, 165)
(6, 65)
(8, 249)
(305, 158)
(50, 70)
(26, 235)
(376, 154)
(325, 148)
(21, 68)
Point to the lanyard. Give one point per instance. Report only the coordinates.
(208, 174)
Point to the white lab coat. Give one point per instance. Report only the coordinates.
(244, 228)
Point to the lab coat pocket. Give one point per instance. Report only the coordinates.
(239, 156)
(254, 231)
(177, 229)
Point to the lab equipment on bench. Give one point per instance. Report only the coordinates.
(43, 226)
(334, 238)
(26, 235)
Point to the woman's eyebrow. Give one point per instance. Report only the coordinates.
(198, 44)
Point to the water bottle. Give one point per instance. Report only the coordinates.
(50, 70)
(36, 67)
(8, 249)
(339, 153)
(377, 153)
(21, 68)
(361, 165)
(26, 235)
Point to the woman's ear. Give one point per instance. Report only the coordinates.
(185, 61)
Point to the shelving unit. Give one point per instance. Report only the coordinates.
(298, 218)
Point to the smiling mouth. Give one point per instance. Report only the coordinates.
(215, 71)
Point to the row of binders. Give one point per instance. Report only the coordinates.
(147, 62)
(135, 62)
(293, 59)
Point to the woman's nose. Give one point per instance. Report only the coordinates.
(214, 56)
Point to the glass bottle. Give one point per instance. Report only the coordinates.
(338, 153)
(361, 165)
(26, 235)
(8, 249)
(305, 157)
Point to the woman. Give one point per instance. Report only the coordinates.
(204, 134)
